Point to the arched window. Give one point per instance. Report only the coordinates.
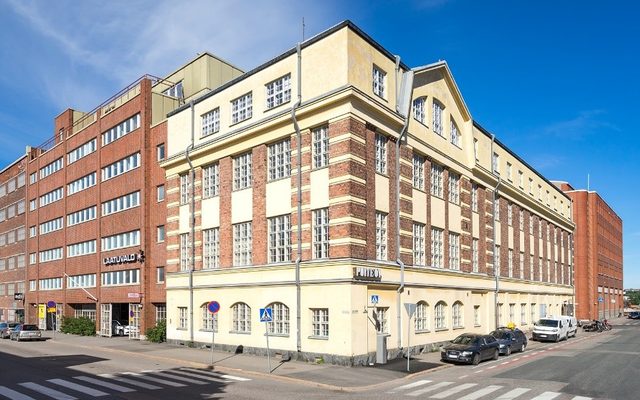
(455, 134)
(457, 312)
(422, 316)
(280, 324)
(241, 318)
(419, 109)
(209, 320)
(438, 109)
(441, 315)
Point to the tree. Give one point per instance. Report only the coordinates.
(634, 297)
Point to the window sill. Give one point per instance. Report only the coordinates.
(319, 337)
(269, 180)
(457, 327)
(477, 325)
(211, 196)
(441, 329)
(282, 335)
(207, 331)
(267, 109)
(422, 331)
(320, 168)
(240, 121)
(240, 332)
(181, 329)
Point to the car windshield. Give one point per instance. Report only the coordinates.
(463, 339)
(29, 328)
(548, 322)
(13, 324)
(500, 334)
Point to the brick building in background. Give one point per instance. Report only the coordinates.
(598, 255)
(12, 240)
(96, 204)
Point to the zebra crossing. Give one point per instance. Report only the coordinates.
(427, 389)
(97, 386)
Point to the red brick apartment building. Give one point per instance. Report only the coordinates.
(96, 204)
(12, 240)
(598, 255)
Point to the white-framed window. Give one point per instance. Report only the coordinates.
(379, 81)
(497, 261)
(81, 281)
(33, 258)
(33, 204)
(209, 320)
(475, 264)
(496, 163)
(441, 315)
(185, 252)
(51, 226)
(455, 134)
(278, 92)
(436, 180)
(33, 178)
(419, 257)
(381, 154)
(454, 251)
(320, 322)
(512, 312)
(211, 180)
(121, 203)
(496, 209)
(381, 236)
(52, 196)
(520, 179)
(521, 265)
(523, 313)
(540, 277)
(532, 310)
(33, 285)
(242, 171)
(510, 214)
(280, 160)
(185, 187)
(50, 284)
(521, 219)
(183, 318)
(160, 152)
(418, 109)
(121, 240)
(531, 268)
(548, 271)
(321, 146)
(242, 244)
(509, 172)
(437, 117)
(160, 233)
(457, 314)
(280, 323)
(160, 193)
(50, 255)
(421, 321)
(321, 233)
(160, 275)
(84, 215)
(382, 319)
(80, 249)
(81, 151)
(241, 318)
(210, 122)
(120, 278)
(121, 166)
(280, 238)
(510, 262)
(211, 249)
(540, 234)
(437, 247)
(418, 171)
(474, 197)
(120, 130)
(242, 108)
(176, 90)
(476, 315)
(454, 188)
(48, 169)
(20, 207)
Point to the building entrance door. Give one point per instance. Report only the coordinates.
(105, 320)
(134, 320)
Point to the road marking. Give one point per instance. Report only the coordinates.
(410, 385)
(547, 396)
(131, 382)
(156, 380)
(13, 395)
(482, 392)
(491, 367)
(430, 389)
(513, 394)
(463, 376)
(477, 372)
(236, 378)
(504, 363)
(165, 374)
(108, 385)
(194, 375)
(453, 390)
(526, 356)
(516, 359)
(78, 387)
(46, 391)
(581, 398)
(232, 377)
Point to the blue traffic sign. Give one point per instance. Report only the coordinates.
(51, 304)
(266, 315)
(375, 299)
(213, 307)
(600, 299)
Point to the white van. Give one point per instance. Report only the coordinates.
(572, 325)
(551, 328)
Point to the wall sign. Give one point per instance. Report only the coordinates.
(124, 259)
(367, 274)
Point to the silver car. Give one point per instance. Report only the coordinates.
(26, 332)
(6, 328)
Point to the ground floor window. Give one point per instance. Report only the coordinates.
(241, 317)
(441, 318)
(84, 310)
(182, 317)
(382, 324)
(456, 315)
(476, 315)
(320, 322)
(209, 320)
(280, 323)
(422, 317)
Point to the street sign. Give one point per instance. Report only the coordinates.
(600, 299)
(266, 315)
(213, 307)
(411, 308)
(51, 309)
(18, 296)
(375, 299)
(51, 304)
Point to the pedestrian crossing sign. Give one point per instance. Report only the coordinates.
(266, 315)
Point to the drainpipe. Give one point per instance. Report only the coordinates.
(496, 268)
(298, 202)
(192, 178)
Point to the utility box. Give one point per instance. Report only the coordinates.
(381, 348)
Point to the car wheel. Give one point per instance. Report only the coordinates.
(476, 359)
(522, 347)
(496, 354)
(508, 351)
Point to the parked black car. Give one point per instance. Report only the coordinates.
(510, 340)
(634, 315)
(471, 348)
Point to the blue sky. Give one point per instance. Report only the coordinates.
(555, 81)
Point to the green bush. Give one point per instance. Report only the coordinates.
(158, 333)
(78, 326)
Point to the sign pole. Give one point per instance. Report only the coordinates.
(266, 315)
(213, 342)
(213, 308)
(408, 342)
(266, 327)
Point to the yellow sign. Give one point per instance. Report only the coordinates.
(51, 309)
(41, 311)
